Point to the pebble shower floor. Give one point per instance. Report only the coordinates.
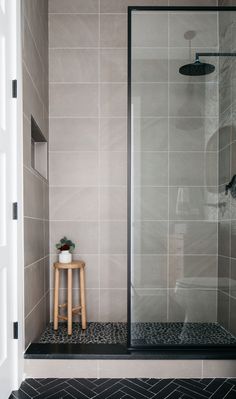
(142, 334)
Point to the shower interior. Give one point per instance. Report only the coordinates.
(181, 156)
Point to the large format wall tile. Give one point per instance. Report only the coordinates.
(79, 30)
(73, 65)
(157, 33)
(194, 2)
(224, 238)
(79, 169)
(113, 134)
(33, 240)
(32, 104)
(35, 323)
(193, 169)
(109, 311)
(150, 99)
(74, 203)
(204, 25)
(149, 65)
(151, 169)
(33, 195)
(150, 271)
(71, 134)
(110, 24)
(193, 238)
(193, 267)
(193, 99)
(149, 305)
(36, 13)
(113, 271)
(151, 134)
(193, 134)
(34, 283)
(193, 203)
(121, 6)
(151, 203)
(79, 100)
(150, 238)
(113, 237)
(26, 142)
(113, 65)
(110, 196)
(73, 6)
(113, 168)
(113, 100)
(224, 274)
(33, 59)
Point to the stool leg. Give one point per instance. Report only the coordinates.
(82, 299)
(69, 301)
(56, 298)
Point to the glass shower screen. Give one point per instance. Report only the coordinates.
(180, 140)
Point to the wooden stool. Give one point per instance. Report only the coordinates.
(80, 309)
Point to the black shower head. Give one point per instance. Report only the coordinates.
(197, 68)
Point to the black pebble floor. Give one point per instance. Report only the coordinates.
(142, 334)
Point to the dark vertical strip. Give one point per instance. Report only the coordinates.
(129, 182)
(14, 88)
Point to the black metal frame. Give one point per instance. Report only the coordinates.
(205, 351)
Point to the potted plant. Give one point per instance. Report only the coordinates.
(65, 247)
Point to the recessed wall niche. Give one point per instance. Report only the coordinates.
(39, 159)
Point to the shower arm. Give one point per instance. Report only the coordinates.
(197, 55)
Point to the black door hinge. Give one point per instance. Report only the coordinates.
(15, 211)
(14, 88)
(15, 330)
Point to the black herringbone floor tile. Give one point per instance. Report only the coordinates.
(214, 385)
(160, 384)
(222, 391)
(52, 388)
(231, 394)
(166, 391)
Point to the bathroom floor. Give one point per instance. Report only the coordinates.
(126, 388)
(142, 334)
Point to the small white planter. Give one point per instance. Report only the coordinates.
(65, 257)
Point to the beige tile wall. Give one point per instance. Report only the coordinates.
(36, 190)
(88, 135)
(175, 156)
(88, 62)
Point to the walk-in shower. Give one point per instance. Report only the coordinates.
(182, 158)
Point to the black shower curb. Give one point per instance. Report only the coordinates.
(117, 351)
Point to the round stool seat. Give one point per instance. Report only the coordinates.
(79, 309)
(71, 265)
